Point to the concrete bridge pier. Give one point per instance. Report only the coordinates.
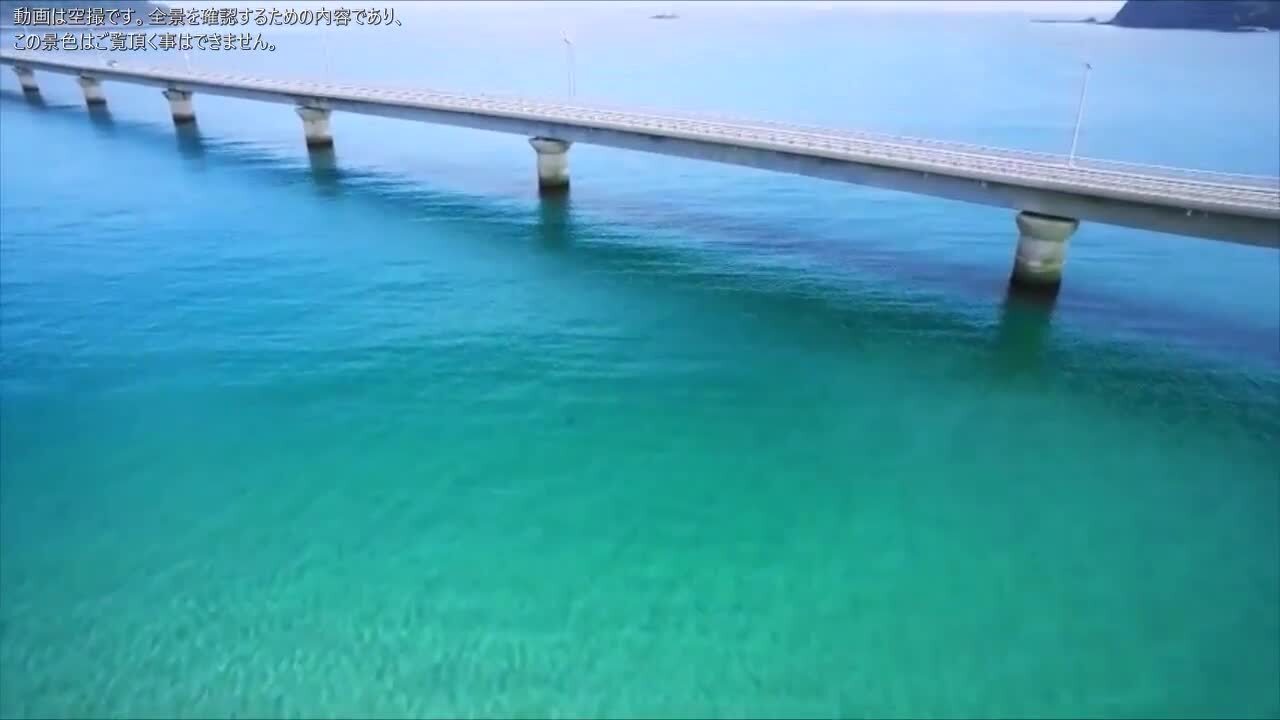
(180, 105)
(1042, 250)
(92, 88)
(553, 164)
(315, 125)
(26, 78)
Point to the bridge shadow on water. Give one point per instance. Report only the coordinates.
(323, 163)
(1006, 339)
(1022, 343)
(554, 226)
(31, 97)
(191, 144)
(101, 119)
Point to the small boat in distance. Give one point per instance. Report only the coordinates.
(664, 16)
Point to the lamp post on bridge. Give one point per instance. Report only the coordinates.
(1075, 135)
(324, 49)
(568, 49)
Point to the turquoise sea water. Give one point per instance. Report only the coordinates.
(382, 434)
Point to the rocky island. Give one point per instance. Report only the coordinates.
(1229, 15)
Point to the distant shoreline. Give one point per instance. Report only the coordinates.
(1110, 23)
(1086, 21)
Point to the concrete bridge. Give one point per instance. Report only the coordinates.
(1050, 192)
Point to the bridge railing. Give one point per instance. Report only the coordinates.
(1262, 182)
(1259, 182)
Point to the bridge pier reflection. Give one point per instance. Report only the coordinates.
(1023, 334)
(101, 119)
(324, 169)
(34, 98)
(190, 143)
(553, 221)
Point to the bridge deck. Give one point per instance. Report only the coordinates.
(1244, 197)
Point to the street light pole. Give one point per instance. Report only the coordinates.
(1075, 135)
(568, 49)
(324, 47)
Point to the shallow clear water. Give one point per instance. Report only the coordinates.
(383, 434)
